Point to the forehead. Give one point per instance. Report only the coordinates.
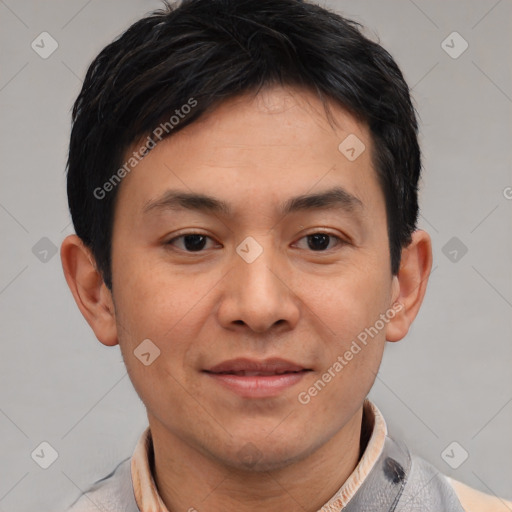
(258, 149)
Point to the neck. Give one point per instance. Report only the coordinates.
(188, 479)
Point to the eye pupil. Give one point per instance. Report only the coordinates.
(192, 243)
(318, 241)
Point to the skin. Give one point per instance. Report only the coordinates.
(303, 305)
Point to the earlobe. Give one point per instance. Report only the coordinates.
(410, 284)
(91, 295)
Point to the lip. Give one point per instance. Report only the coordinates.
(257, 379)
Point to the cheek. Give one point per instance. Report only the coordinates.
(353, 344)
(349, 301)
(154, 299)
(166, 308)
(156, 319)
(353, 334)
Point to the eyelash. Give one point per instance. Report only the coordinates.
(339, 241)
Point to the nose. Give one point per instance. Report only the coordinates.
(259, 294)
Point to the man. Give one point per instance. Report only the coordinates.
(242, 179)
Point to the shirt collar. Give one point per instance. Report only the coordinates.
(373, 428)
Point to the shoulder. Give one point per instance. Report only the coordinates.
(112, 493)
(428, 490)
(476, 501)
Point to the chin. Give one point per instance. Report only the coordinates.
(261, 454)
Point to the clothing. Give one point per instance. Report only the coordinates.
(387, 478)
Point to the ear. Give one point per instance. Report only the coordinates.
(410, 284)
(88, 288)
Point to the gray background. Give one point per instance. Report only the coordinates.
(449, 380)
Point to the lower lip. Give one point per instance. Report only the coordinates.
(258, 386)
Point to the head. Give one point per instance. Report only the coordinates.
(242, 179)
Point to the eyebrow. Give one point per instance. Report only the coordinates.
(333, 198)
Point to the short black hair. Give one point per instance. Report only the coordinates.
(202, 52)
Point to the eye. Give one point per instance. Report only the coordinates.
(190, 242)
(321, 242)
(196, 242)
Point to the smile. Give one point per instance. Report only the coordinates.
(257, 379)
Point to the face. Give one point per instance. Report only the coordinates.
(252, 295)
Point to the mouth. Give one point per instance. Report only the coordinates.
(247, 373)
(247, 366)
(257, 379)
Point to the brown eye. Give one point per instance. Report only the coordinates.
(318, 241)
(321, 242)
(190, 242)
